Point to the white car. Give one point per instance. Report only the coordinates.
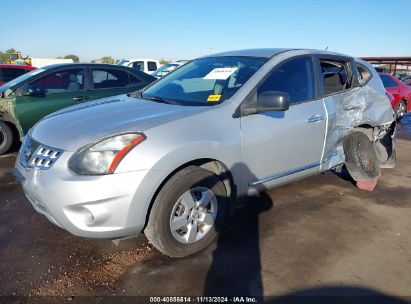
(167, 68)
(142, 64)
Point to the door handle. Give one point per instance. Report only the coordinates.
(315, 118)
(80, 98)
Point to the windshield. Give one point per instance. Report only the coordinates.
(165, 69)
(204, 81)
(20, 79)
(122, 62)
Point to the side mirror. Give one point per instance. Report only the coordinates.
(272, 101)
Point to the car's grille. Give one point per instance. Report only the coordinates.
(38, 156)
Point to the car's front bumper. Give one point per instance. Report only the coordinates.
(109, 206)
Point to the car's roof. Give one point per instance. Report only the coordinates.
(262, 53)
(270, 52)
(17, 66)
(141, 59)
(387, 74)
(63, 65)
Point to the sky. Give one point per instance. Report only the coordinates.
(183, 29)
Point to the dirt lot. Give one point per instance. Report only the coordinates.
(318, 236)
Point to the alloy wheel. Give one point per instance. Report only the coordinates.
(193, 215)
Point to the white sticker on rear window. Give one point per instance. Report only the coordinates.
(220, 73)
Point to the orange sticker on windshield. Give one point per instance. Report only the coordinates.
(213, 98)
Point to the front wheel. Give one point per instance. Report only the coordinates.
(6, 137)
(187, 212)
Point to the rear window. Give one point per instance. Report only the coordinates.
(388, 81)
(8, 74)
(335, 76)
(152, 66)
(110, 78)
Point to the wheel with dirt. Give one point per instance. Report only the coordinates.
(6, 137)
(400, 110)
(360, 158)
(187, 212)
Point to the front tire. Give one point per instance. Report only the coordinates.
(6, 137)
(187, 212)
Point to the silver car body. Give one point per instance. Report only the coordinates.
(259, 151)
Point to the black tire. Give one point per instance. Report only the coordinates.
(360, 158)
(6, 137)
(158, 230)
(400, 110)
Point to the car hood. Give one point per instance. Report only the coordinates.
(74, 127)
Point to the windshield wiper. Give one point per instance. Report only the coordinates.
(159, 99)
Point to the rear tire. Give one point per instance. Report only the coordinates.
(360, 158)
(177, 201)
(6, 137)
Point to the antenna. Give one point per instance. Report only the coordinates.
(326, 48)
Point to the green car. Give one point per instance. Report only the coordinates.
(28, 98)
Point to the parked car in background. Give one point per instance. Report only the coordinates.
(167, 68)
(147, 66)
(9, 72)
(401, 93)
(172, 159)
(30, 97)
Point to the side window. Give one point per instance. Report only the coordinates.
(138, 65)
(388, 82)
(134, 80)
(110, 78)
(152, 66)
(10, 74)
(60, 82)
(364, 74)
(294, 77)
(335, 76)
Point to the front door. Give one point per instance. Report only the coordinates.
(277, 147)
(49, 93)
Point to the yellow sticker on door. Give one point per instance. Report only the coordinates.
(213, 98)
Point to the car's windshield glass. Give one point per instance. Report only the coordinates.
(122, 62)
(165, 69)
(21, 78)
(204, 81)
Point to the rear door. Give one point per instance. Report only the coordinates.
(105, 82)
(276, 146)
(52, 92)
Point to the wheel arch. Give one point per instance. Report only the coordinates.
(210, 164)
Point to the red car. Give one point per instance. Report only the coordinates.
(10, 71)
(401, 93)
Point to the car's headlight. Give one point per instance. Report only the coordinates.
(103, 157)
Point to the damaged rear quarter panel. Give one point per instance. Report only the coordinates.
(367, 105)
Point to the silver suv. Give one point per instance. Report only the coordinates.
(172, 159)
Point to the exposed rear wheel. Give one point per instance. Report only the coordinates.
(6, 137)
(187, 213)
(360, 157)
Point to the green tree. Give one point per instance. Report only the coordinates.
(75, 58)
(4, 56)
(107, 59)
(164, 61)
